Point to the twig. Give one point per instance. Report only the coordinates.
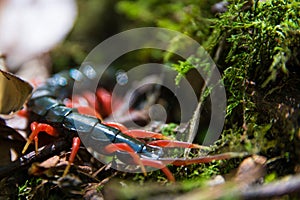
(287, 185)
(44, 153)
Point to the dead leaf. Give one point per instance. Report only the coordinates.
(13, 92)
(11, 144)
(44, 168)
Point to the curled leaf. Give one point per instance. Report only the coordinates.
(13, 92)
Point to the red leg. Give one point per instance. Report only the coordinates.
(172, 143)
(75, 148)
(141, 161)
(135, 133)
(111, 148)
(36, 144)
(104, 98)
(159, 165)
(145, 134)
(36, 128)
(83, 108)
(93, 105)
(202, 159)
(101, 102)
(116, 125)
(91, 98)
(89, 111)
(23, 113)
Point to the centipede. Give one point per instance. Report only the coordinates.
(74, 129)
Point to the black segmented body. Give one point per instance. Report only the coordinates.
(46, 106)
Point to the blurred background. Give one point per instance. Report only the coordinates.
(61, 33)
(40, 38)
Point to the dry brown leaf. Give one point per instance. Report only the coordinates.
(13, 92)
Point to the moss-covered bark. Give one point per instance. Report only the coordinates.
(256, 46)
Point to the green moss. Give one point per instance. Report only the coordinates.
(169, 130)
(259, 63)
(28, 188)
(190, 17)
(270, 177)
(256, 47)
